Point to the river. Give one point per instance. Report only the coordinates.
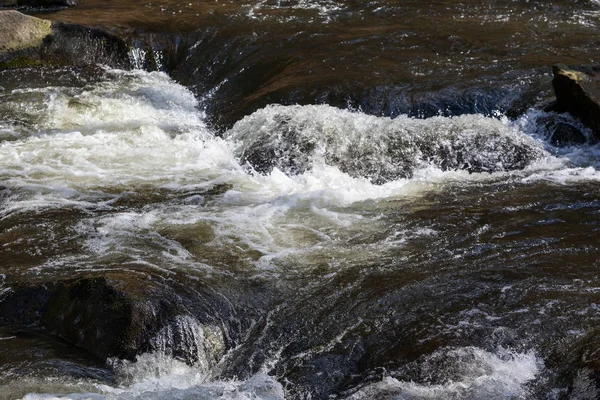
(345, 200)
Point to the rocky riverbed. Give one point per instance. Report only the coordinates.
(304, 199)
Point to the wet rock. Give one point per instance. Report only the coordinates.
(294, 138)
(72, 44)
(566, 135)
(23, 304)
(577, 91)
(98, 315)
(113, 317)
(577, 364)
(26, 41)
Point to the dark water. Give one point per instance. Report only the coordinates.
(384, 57)
(334, 199)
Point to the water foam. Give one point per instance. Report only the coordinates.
(296, 138)
(131, 130)
(137, 131)
(170, 379)
(140, 134)
(324, 9)
(167, 373)
(470, 373)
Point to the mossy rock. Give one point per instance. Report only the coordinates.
(22, 62)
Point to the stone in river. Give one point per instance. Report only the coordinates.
(27, 41)
(111, 316)
(577, 90)
(20, 32)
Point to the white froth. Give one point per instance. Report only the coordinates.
(158, 375)
(474, 374)
(170, 379)
(139, 133)
(138, 130)
(131, 130)
(324, 9)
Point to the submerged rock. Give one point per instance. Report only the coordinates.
(113, 317)
(577, 90)
(27, 41)
(566, 135)
(294, 139)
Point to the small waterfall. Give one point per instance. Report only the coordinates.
(188, 340)
(154, 52)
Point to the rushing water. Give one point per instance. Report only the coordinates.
(342, 244)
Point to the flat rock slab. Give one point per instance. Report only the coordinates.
(577, 90)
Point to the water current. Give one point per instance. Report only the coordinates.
(349, 200)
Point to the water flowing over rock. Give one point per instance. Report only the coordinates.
(294, 139)
(300, 199)
(577, 91)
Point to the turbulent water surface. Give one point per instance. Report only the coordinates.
(364, 195)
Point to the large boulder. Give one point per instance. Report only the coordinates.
(27, 41)
(577, 90)
(21, 32)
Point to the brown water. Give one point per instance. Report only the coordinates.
(339, 199)
(386, 57)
